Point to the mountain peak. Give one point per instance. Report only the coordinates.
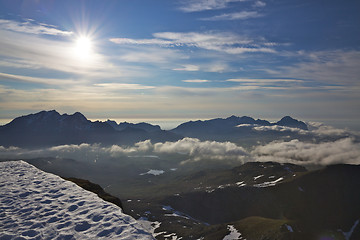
(291, 122)
(79, 116)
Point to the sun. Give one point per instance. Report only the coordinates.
(83, 47)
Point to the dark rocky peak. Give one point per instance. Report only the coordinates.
(76, 117)
(288, 121)
(246, 120)
(240, 120)
(79, 116)
(148, 127)
(262, 122)
(143, 126)
(43, 116)
(111, 122)
(35, 118)
(76, 120)
(48, 121)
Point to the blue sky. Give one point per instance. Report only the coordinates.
(188, 59)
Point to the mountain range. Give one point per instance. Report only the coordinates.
(49, 128)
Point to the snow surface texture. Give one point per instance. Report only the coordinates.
(39, 205)
(234, 234)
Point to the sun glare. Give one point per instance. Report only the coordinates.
(83, 47)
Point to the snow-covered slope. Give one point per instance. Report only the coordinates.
(39, 205)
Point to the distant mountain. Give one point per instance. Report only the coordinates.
(52, 122)
(291, 122)
(227, 129)
(49, 128)
(217, 125)
(144, 126)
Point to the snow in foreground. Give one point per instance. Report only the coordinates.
(39, 205)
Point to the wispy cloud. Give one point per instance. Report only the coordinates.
(151, 54)
(32, 27)
(225, 42)
(202, 5)
(47, 81)
(141, 41)
(259, 4)
(122, 86)
(196, 81)
(264, 80)
(188, 68)
(234, 16)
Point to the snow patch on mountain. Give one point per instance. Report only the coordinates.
(234, 234)
(153, 172)
(39, 205)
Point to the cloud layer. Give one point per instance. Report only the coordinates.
(317, 149)
(345, 150)
(189, 149)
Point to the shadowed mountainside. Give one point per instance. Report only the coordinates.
(49, 128)
(313, 203)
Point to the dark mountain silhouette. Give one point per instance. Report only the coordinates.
(49, 128)
(223, 129)
(291, 122)
(144, 126)
(216, 127)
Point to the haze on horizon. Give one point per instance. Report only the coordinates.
(192, 59)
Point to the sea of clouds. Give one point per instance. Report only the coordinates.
(328, 145)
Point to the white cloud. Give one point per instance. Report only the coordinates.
(259, 4)
(315, 129)
(324, 130)
(280, 129)
(32, 28)
(153, 41)
(196, 81)
(202, 150)
(234, 16)
(345, 150)
(122, 86)
(188, 68)
(151, 54)
(225, 42)
(192, 150)
(202, 5)
(264, 80)
(48, 81)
